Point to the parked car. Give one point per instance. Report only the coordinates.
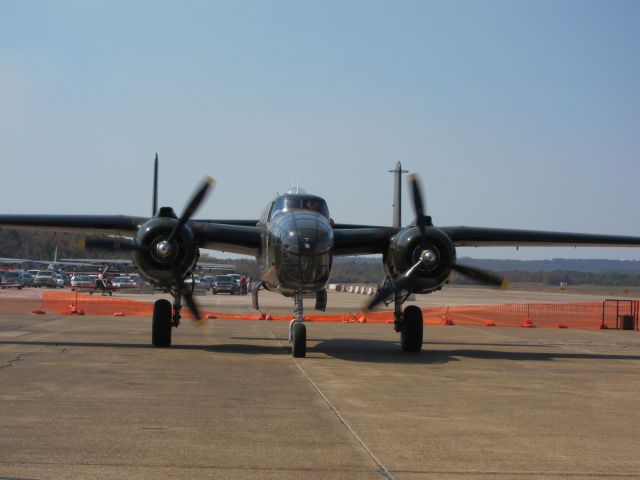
(224, 284)
(193, 281)
(11, 279)
(46, 278)
(65, 277)
(136, 280)
(122, 282)
(59, 280)
(27, 279)
(208, 281)
(82, 281)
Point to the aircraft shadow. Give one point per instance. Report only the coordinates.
(359, 350)
(381, 351)
(220, 348)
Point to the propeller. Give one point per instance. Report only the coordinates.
(193, 205)
(187, 294)
(166, 247)
(429, 258)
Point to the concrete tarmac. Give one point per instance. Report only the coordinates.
(88, 397)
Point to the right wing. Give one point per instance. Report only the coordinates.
(235, 236)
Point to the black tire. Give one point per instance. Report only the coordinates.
(299, 344)
(412, 331)
(161, 324)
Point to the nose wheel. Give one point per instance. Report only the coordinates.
(298, 339)
(297, 329)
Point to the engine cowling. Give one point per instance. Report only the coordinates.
(162, 260)
(406, 249)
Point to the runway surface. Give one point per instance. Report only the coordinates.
(87, 397)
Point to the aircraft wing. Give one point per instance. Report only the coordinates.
(230, 236)
(14, 260)
(355, 240)
(500, 237)
(226, 237)
(107, 224)
(93, 261)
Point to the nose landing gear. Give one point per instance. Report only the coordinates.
(297, 329)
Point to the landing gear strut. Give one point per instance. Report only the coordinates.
(297, 329)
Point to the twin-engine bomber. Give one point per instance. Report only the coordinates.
(294, 242)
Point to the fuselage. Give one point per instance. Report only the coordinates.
(297, 244)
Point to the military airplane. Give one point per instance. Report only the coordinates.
(295, 241)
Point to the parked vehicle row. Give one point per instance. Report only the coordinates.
(232, 284)
(52, 279)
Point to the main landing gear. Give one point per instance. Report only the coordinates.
(161, 323)
(164, 319)
(297, 329)
(409, 323)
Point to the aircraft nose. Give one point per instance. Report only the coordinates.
(307, 235)
(306, 251)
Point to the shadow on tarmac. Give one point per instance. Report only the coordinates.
(223, 348)
(378, 351)
(359, 350)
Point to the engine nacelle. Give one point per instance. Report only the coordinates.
(405, 250)
(162, 261)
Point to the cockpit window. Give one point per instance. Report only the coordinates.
(299, 202)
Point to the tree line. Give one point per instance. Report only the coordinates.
(41, 245)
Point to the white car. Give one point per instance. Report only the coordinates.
(46, 278)
(122, 282)
(82, 281)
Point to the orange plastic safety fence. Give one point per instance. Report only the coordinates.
(64, 303)
(585, 315)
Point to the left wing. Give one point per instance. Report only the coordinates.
(501, 237)
(365, 240)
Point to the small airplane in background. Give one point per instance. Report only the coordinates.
(55, 264)
(294, 242)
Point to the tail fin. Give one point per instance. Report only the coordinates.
(397, 195)
(154, 208)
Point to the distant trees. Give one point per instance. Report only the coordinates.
(41, 246)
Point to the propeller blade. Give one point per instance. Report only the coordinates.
(191, 303)
(480, 275)
(391, 287)
(381, 295)
(422, 221)
(418, 204)
(193, 205)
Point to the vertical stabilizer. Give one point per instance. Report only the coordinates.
(154, 206)
(397, 195)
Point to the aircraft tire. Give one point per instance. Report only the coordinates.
(412, 333)
(299, 344)
(161, 323)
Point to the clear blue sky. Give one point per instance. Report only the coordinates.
(522, 114)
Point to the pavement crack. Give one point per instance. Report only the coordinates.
(382, 470)
(10, 363)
